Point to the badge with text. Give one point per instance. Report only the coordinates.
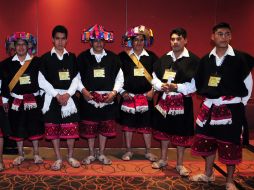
(214, 81)
(99, 73)
(24, 79)
(169, 73)
(64, 75)
(139, 72)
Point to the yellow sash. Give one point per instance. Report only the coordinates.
(140, 66)
(20, 72)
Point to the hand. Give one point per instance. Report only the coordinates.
(149, 94)
(58, 98)
(64, 98)
(86, 94)
(126, 96)
(172, 87)
(165, 87)
(6, 107)
(110, 96)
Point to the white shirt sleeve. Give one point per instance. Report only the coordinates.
(5, 100)
(74, 86)
(46, 86)
(80, 84)
(187, 87)
(119, 81)
(248, 81)
(156, 82)
(122, 91)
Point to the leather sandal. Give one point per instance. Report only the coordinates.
(182, 171)
(2, 166)
(104, 160)
(203, 178)
(127, 156)
(159, 164)
(38, 159)
(57, 165)
(73, 162)
(18, 160)
(151, 157)
(88, 160)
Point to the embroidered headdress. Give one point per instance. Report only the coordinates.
(135, 31)
(97, 32)
(28, 37)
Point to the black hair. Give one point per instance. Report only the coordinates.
(16, 41)
(221, 25)
(133, 37)
(180, 32)
(60, 29)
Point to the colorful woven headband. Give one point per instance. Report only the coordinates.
(138, 30)
(28, 37)
(97, 32)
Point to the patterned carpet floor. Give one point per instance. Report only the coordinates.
(136, 174)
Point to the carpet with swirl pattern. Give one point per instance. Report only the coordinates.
(120, 175)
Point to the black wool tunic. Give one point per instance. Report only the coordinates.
(137, 85)
(24, 123)
(185, 68)
(86, 65)
(232, 72)
(50, 67)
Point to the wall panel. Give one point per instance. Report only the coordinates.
(197, 16)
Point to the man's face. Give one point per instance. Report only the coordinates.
(97, 45)
(59, 41)
(138, 43)
(21, 47)
(177, 43)
(221, 37)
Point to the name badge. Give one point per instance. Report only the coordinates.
(99, 73)
(64, 75)
(24, 80)
(169, 74)
(214, 81)
(139, 72)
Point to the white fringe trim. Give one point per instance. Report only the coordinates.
(141, 109)
(95, 104)
(15, 107)
(175, 112)
(163, 112)
(200, 123)
(100, 104)
(66, 111)
(29, 106)
(221, 122)
(69, 109)
(128, 109)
